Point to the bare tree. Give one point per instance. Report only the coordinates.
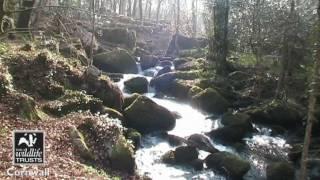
(314, 86)
(194, 17)
(158, 9)
(134, 9)
(140, 10)
(129, 9)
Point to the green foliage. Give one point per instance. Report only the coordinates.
(3, 48)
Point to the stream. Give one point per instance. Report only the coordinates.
(260, 149)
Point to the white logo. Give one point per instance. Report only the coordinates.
(30, 142)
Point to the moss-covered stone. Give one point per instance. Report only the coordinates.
(276, 113)
(194, 91)
(134, 136)
(148, 61)
(129, 100)
(137, 85)
(112, 113)
(27, 107)
(120, 36)
(210, 101)
(228, 164)
(147, 116)
(79, 143)
(73, 101)
(117, 61)
(280, 171)
(122, 157)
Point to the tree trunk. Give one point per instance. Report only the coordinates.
(134, 10)
(287, 54)
(158, 10)
(24, 16)
(150, 7)
(194, 18)
(219, 42)
(129, 8)
(312, 103)
(1, 9)
(140, 10)
(114, 6)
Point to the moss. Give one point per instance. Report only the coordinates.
(73, 101)
(129, 100)
(122, 156)
(194, 91)
(28, 109)
(196, 53)
(79, 143)
(134, 136)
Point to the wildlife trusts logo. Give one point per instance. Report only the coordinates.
(28, 147)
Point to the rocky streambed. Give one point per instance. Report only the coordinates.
(200, 145)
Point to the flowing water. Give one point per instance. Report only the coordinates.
(260, 148)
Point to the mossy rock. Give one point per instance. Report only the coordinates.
(134, 136)
(165, 69)
(185, 154)
(79, 143)
(237, 119)
(148, 61)
(4, 80)
(147, 116)
(117, 61)
(211, 101)
(194, 91)
(130, 99)
(280, 171)
(228, 164)
(122, 157)
(120, 36)
(27, 107)
(187, 75)
(137, 85)
(276, 113)
(73, 101)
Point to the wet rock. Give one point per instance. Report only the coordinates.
(129, 100)
(165, 69)
(228, 164)
(120, 36)
(201, 142)
(134, 136)
(148, 61)
(117, 61)
(187, 75)
(280, 171)
(276, 113)
(210, 101)
(147, 116)
(236, 127)
(179, 89)
(177, 115)
(237, 119)
(137, 85)
(185, 154)
(175, 140)
(165, 63)
(197, 164)
(184, 42)
(73, 101)
(162, 83)
(179, 61)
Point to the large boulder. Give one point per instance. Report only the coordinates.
(162, 83)
(183, 155)
(201, 142)
(104, 139)
(280, 171)
(210, 101)
(103, 88)
(137, 85)
(147, 116)
(27, 108)
(236, 127)
(276, 113)
(117, 61)
(164, 70)
(148, 61)
(228, 164)
(120, 36)
(129, 100)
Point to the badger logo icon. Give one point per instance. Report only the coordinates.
(30, 142)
